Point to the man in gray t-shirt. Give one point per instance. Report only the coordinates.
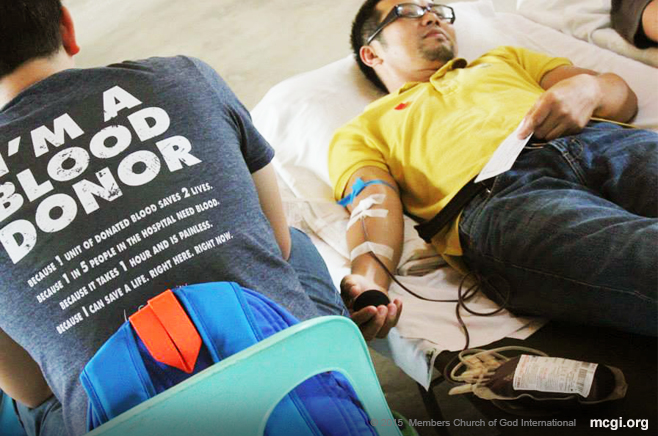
(118, 183)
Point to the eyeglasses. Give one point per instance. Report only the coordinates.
(412, 10)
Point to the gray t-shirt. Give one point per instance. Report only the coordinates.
(116, 184)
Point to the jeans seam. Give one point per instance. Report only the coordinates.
(572, 159)
(480, 207)
(507, 264)
(338, 301)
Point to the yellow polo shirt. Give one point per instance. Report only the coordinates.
(433, 137)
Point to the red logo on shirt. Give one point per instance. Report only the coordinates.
(402, 106)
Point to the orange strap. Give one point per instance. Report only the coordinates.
(167, 332)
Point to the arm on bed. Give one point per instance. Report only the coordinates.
(366, 272)
(573, 95)
(20, 376)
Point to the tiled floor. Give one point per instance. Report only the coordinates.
(253, 44)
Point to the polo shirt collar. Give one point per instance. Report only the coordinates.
(449, 66)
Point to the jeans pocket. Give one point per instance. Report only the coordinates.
(473, 209)
(571, 150)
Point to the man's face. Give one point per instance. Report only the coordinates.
(424, 43)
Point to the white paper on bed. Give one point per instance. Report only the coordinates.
(588, 20)
(299, 116)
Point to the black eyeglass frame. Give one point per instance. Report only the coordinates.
(395, 13)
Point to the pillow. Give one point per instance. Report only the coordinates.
(299, 116)
(588, 20)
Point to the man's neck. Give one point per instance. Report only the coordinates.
(393, 79)
(396, 82)
(31, 72)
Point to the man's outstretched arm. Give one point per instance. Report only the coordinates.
(385, 235)
(573, 95)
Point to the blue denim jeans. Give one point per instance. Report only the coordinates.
(44, 420)
(314, 275)
(573, 229)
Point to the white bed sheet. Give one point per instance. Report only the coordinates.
(298, 117)
(588, 20)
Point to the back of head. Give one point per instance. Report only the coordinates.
(364, 25)
(29, 29)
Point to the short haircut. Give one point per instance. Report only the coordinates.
(29, 29)
(364, 25)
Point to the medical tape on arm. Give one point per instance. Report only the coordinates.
(364, 209)
(360, 212)
(378, 249)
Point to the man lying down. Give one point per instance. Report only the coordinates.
(569, 232)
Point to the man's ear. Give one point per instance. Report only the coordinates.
(369, 56)
(67, 30)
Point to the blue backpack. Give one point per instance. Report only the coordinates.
(228, 319)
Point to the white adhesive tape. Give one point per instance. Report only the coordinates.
(378, 249)
(362, 209)
(374, 213)
(368, 202)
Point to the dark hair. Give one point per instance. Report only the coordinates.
(364, 25)
(29, 29)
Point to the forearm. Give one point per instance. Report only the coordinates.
(573, 96)
(385, 234)
(611, 96)
(617, 101)
(376, 224)
(272, 206)
(20, 376)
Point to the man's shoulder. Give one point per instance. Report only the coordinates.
(395, 101)
(380, 113)
(157, 64)
(180, 70)
(504, 52)
(369, 116)
(509, 53)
